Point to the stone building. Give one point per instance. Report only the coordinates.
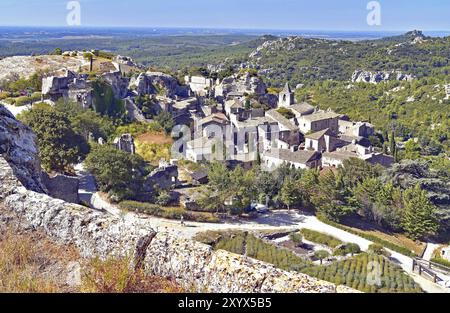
(286, 97)
(319, 121)
(199, 85)
(301, 159)
(125, 143)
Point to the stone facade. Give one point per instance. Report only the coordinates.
(164, 177)
(199, 84)
(286, 97)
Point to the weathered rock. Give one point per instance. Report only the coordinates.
(25, 66)
(119, 84)
(133, 112)
(18, 147)
(244, 84)
(158, 83)
(377, 77)
(62, 187)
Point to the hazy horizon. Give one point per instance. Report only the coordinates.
(281, 15)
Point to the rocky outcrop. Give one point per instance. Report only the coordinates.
(25, 66)
(241, 83)
(18, 148)
(158, 84)
(133, 112)
(118, 83)
(377, 77)
(193, 265)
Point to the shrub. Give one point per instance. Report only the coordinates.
(296, 238)
(320, 238)
(4, 95)
(350, 248)
(21, 101)
(287, 113)
(257, 248)
(376, 248)
(174, 213)
(385, 243)
(321, 255)
(353, 273)
(441, 261)
(163, 198)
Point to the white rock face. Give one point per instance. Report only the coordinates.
(25, 66)
(245, 83)
(148, 83)
(377, 77)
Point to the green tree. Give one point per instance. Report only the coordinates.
(327, 197)
(290, 194)
(57, 51)
(321, 255)
(412, 150)
(59, 145)
(165, 120)
(104, 101)
(85, 122)
(419, 218)
(117, 172)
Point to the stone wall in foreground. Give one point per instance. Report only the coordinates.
(193, 265)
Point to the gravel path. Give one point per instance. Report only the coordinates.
(15, 110)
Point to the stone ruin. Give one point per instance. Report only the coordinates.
(125, 143)
(68, 85)
(164, 177)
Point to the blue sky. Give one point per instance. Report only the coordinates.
(259, 14)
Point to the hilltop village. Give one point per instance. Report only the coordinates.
(234, 117)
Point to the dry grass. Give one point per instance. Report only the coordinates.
(31, 263)
(117, 276)
(155, 138)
